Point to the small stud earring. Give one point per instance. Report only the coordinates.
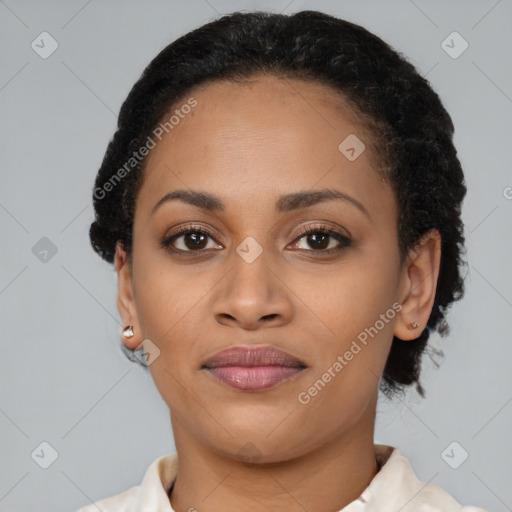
(128, 331)
(414, 325)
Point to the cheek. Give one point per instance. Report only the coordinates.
(163, 293)
(167, 302)
(350, 320)
(348, 313)
(174, 313)
(344, 299)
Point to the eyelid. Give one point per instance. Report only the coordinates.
(183, 230)
(335, 230)
(344, 239)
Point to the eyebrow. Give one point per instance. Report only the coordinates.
(286, 203)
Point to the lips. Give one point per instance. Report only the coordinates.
(251, 368)
(250, 356)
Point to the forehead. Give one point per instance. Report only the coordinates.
(265, 136)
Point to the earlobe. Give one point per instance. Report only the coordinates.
(418, 287)
(130, 333)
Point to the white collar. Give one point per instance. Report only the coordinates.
(394, 487)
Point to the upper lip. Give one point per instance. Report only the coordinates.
(250, 355)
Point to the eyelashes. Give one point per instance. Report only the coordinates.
(195, 240)
(188, 230)
(324, 233)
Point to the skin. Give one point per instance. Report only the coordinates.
(249, 144)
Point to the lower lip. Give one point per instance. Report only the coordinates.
(255, 378)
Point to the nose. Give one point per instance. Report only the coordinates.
(252, 295)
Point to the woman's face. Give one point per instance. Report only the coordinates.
(257, 280)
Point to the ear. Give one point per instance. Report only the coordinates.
(418, 285)
(125, 299)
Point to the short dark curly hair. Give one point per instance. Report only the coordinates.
(411, 130)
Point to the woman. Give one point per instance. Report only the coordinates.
(281, 202)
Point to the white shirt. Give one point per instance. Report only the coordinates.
(395, 487)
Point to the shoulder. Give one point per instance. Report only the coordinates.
(433, 498)
(151, 494)
(122, 502)
(396, 485)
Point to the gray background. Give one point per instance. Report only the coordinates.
(64, 379)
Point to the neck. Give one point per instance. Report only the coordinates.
(326, 477)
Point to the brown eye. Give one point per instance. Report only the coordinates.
(189, 239)
(324, 240)
(194, 240)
